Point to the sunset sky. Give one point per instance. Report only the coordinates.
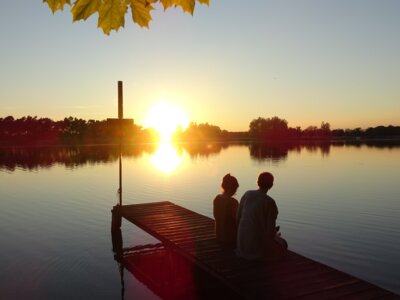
(303, 60)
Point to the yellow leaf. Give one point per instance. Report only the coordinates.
(187, 5)
(112, 15)
(167, 3)
(55, 5)
(83, 9)
(207, 2)
(141, 12)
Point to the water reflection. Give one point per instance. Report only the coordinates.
(354, 228)
(278, 151)
(274, 153)
(165, 272)
(71, 157)
(198, 150)
(165, 157)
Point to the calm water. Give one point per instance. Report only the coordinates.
(339, 204)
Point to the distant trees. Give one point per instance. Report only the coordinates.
(382, 131)
(27, 129)
(266, 129)
(369, 133)
(270, 128)
(323, 132)
(199, 132)
(277, 129)
(33, 130)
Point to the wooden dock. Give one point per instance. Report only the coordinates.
(192, 236)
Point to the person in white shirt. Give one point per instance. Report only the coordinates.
(258, 237)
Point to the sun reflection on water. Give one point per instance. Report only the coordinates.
(166, 158)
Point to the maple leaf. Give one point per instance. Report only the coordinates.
(55, 5)
(112, 15)
(83, 9)
(141, 12)
(112, 12)
(167, 3)
(187, 5)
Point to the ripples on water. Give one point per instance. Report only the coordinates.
(338, 205)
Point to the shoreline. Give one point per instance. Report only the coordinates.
(300, 141)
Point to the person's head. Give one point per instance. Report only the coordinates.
(229, 184)
(265, 181)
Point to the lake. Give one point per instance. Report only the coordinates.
(339, 204)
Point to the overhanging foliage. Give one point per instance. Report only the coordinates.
(111, 13)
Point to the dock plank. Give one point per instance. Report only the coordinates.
(192, 236)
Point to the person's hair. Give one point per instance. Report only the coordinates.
(229, 184)
(265, 180)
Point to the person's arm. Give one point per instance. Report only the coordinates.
(215, 207)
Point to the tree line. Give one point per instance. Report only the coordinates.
(34, 130)
(31, 130)
(277, 129)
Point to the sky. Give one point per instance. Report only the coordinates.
(306, 61)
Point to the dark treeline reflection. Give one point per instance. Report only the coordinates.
(388, 144)
(45, 157)
(30, 158)
(197, 150)
(278, 151)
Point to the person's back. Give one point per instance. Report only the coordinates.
(258, 238)
(225, 211)
(257, 214)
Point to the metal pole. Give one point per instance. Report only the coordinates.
(120, 101)
(120, 175)
(120, 117)
(116, 233)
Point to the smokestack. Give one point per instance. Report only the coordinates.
(120, 101)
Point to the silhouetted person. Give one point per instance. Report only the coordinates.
(258, 237)
(225, 210)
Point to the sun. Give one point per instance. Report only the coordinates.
(165, 118)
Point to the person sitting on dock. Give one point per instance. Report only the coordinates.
(225, 210)
(258, 237)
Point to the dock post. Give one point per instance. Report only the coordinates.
(116, 233)
(116, 218)
(117, 243)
